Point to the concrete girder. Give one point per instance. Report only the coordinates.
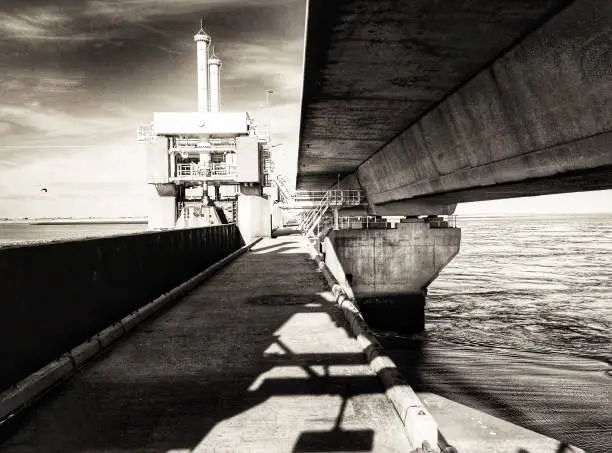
(374, 68)
(541, 115)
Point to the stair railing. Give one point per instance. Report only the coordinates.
(312, 217)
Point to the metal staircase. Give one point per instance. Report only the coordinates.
(313, 222)
(312, 218)
(314, 205)
(281, 183)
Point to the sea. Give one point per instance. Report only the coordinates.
(24, 233)
(518, 325)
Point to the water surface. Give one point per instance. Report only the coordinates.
(519, 325)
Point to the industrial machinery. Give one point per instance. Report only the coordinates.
(200, 162)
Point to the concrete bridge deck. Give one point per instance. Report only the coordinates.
(254, 360)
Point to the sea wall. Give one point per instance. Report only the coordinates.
(55, 296)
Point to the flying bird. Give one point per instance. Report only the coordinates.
(43, 189)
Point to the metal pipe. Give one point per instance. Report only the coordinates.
(202, 41)
(214, 70)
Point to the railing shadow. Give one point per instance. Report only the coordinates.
(285, 231)
(435, 373)
(563, 448)
(210, 358)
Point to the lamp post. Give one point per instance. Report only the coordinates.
(274, 156)
(269, 126)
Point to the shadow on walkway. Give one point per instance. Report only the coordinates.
(254, 360)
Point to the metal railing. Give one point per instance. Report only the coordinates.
(362, 222)
(194, 150)
(441, 222)
(347, 197)
(311, 218)
(199, 172)
(195, 145)
(313, 223)
(222, 169)
(309, 195)
(281, 183)
(145, 133)
(184, 170)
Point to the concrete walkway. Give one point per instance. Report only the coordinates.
(255, 360)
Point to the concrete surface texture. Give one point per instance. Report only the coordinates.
(492, 403)
(403, 260)
(162, 207)
(466, 428)
(254, 217)
(448, 102)
(258, 359)
(334, 265)
(538, 113)
(157, 164)
(373, 68)
(58, 295)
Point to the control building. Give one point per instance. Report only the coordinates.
(207, 165)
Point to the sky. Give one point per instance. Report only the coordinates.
(78, 76)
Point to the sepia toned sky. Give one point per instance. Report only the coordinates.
(78, 76)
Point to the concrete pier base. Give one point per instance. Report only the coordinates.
(389, 270)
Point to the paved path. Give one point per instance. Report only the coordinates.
(255, 360)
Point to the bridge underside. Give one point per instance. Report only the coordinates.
(459, 100)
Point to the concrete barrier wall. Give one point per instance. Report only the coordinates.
(277, 216)
(335, 267)
(55, 296)
(253, 217)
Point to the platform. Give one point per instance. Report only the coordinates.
(254, 360)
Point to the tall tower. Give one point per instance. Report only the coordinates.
(214, 65)
(202, 41)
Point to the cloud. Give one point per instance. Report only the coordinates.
(115, 162)
(45, 123)
(72, 23)
(5, 127)
(41, 24)
(26, 86)
(144, 10)
(70, 108)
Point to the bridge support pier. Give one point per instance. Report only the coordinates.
(390, 269)
(336, 219)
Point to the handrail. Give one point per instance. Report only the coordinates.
(313, 219)
(281, 185)
(201, 171)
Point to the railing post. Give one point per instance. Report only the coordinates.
(336, 220)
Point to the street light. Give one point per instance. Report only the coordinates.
(269, 127)
(272, 155)
(268, 93)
